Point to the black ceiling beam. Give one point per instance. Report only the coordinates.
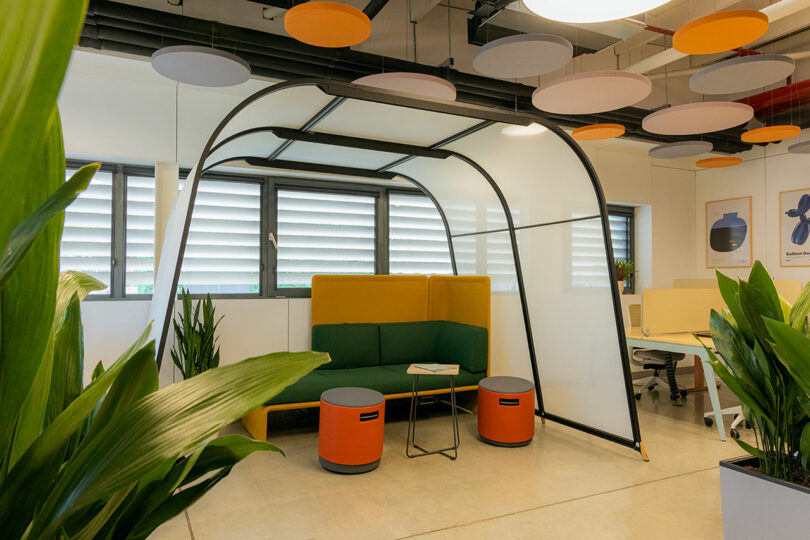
(318, 168)
(140, 31)
(374, 7)
(357, 142)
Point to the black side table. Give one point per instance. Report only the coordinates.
(450, 370)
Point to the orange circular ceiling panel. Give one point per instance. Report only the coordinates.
(598, 132)
(327, 24)
(718, 162)
(720, 32)
(770, 134)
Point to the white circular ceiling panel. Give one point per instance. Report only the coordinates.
(742, 73)
(200, 66)
(418, 84)
(591, 92)
(589, 11)
(680, 149)
(694, 118)
(523, 55)
(800, 148)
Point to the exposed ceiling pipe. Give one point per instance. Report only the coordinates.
(779, 10)
(779, 100)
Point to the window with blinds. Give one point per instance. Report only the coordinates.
(140, 235)
(417, 238)
(588, 249)
(222, 253)
(323, 233)
(87, 235)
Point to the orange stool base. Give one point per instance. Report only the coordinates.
(506, 411)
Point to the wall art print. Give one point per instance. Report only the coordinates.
(728, 233)
(794, 227)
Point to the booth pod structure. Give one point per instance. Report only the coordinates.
(522, 197)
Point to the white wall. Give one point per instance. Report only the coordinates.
(762, 175)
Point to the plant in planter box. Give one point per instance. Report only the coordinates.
(624, 268)
(195, 348)
(764, 343)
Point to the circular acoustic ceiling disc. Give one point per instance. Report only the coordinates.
(522, 55)
(680, 149)
(598, 132)
(523, 131)
(720, 32)
(591, 92)
(800, 148)
(589, 11)
(693, 118)
(327, 24)
(411, 83)
(718, 162)
(742, 73)
(770, 134)
(201, 66)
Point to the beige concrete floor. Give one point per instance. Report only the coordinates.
(566, 484)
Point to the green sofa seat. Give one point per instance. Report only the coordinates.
(377, 356)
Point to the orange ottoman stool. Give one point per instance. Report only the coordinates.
(506, 411)
(350, 432)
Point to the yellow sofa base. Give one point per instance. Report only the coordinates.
(255, 421)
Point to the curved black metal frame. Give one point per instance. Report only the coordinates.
(341, 92)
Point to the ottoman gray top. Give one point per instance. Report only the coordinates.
(506, 385)
(352, 396)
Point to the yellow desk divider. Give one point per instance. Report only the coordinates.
(789, 289)
(338, 299)
(669, 311)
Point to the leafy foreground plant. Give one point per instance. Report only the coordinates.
(195, 349)
(117, 458)
(765, 345)
(624, 268)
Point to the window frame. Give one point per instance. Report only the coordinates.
(120, 173)
(629, 213)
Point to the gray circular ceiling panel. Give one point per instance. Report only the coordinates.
(742, 74)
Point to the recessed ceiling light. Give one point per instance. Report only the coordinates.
(200, 66)
(523, 131)
(589, 11)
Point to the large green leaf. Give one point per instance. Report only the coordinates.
(31, 478)
(70, 283)
(173, 420)
(24, 235)
(798, 314)
(761, 280)
(793, 350)
(27, 300)
(68, 361)
(730, 291)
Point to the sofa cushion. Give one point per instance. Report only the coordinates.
(462, 344)
(409, 342)
(391, 379)
(349, 345)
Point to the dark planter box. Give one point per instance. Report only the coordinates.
(759, 506)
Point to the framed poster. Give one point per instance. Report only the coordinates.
(794, 227)
(728, 233)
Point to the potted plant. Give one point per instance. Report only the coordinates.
(118, 457)
(764, 343)
(195, 347)
(624, 268)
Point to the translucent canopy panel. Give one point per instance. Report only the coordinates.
(256, 144)
(541, 176)
(487, 255)
(289, 107)
(391, 123)
(338, 155)
(576, 343)
(469, 202)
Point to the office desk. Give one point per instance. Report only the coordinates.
(687, 344)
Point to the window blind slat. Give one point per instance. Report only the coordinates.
(417, 237)
(140, 231)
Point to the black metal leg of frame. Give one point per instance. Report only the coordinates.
(411, 441)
